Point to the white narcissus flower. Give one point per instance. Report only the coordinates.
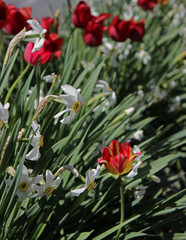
(50, 78)
(136, 163)
(140, 191)
(36, 35)
(138, 135)
(4, 114)
(73, 101)
(129, 111)
(107, 90)
(91, 175)
(48, 187)
(26, 184)
(36, 142)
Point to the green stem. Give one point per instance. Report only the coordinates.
(122, 207)
(15, 83)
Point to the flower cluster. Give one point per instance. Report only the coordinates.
(150, 4)
(14, 19)
(48, 49)
(30, 187)
(119, 30)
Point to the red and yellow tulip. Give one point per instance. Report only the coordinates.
(118, 157)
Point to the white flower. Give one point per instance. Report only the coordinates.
(50, 78)
(48, 187)
(73, 100)
(138, 135)
(129, 111)
(36, 142)
(87, 65)
(91, 175)
(137, 162)
(26, 184)
(143, 56)
(140, 191)
(110, 98)
(4, 114)
(36, 35)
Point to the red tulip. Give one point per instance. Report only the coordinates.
(94, 29)
(119, 29)
(81, 15)
(48, 23)
(136, 30)
(31, 58)
(147, 4)
(117, 157)
(3, 14)
(93, 34)
(16, 18)
(51, 49)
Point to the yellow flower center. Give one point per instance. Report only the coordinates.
(23, 187)
(49, 191)
(109, 88)
(91, 186)
(41, 141)
(1, 124)
(77, 106)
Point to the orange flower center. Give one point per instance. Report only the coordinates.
(91, 186)
(49, 191)
(1, 124)
(23, 187)
(41, 141)
(77, 106)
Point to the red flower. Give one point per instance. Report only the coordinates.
(16, 18)
(48, 23)
(94, 29)
(51, 49)
(147, 4)
(53, 45)
(117, 157)
(136, 30)
(81, 15)
(31, 58)
(119, 29)
(2, 14)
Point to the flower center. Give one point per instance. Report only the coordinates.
(109, 88)
(41, 141)
(1, 124)
(49, 191)
(77, 106)
(23, 187)
(91, 186)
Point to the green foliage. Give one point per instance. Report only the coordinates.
(155, 91)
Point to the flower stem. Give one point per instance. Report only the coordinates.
(15, 83)
(122, 207)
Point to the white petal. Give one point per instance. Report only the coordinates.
(61, 113)
(69, 100)
(57, 181)
(37, 179)
(49, 178)
(34, 154)
(68, 89)
(77, 192)
(92, 174)
(35, 127)
(35, 25)
(6, 106)
(69, 118)
(38, 44)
